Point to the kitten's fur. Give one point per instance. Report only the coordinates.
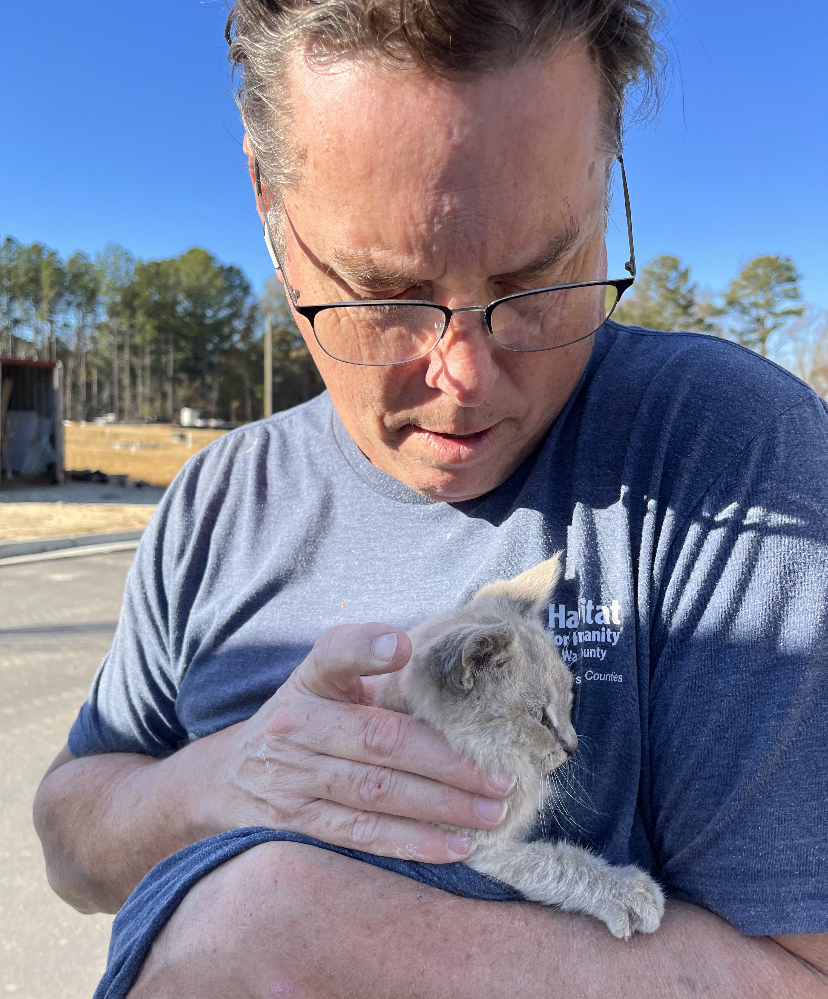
(489, 678)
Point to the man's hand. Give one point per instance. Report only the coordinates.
(316, 759)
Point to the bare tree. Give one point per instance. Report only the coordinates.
(806, 350)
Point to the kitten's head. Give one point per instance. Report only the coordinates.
(490, 678)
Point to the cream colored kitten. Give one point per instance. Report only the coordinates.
(489, 678)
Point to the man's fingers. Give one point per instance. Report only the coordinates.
(341, 655)
(385, 835)
(393, 792)
(377, 737)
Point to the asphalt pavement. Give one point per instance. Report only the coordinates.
(57, 619)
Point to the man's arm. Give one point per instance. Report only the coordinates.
(315, 759)
(290, 920)
(105, 821)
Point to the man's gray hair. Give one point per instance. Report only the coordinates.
(453, 38)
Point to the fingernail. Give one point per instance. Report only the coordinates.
(460, 846)
(490, 809)
(384, 647)
(501, 783)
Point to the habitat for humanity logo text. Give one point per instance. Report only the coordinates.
(587, 631)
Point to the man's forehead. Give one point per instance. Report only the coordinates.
(375, 112)
(404, 173)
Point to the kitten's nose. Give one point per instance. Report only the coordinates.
(567, 738)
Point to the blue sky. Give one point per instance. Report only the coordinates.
(118, 124)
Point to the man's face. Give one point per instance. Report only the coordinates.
(456, 193)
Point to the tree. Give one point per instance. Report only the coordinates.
(295, 375)
(115, 267)
(186, 317)
(9, 295)
(807, 349)
(241, 392)
(761, 300)
(34, 286)
(212, 310)
(664, 298)
(151, 308)
(141, 338)
(82, 290)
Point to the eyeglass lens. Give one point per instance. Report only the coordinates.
(550, 319)
(394, 333)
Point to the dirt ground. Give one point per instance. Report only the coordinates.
(153, 453)
(27, 521)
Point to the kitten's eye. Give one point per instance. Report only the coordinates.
(537, 714)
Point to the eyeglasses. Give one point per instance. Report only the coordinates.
(393, 331)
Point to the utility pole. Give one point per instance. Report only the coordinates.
(268, 368)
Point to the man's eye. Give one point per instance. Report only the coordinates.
(386, 295)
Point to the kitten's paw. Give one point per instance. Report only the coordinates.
(635, 904)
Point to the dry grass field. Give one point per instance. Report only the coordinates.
(27, 521)
(153, 453)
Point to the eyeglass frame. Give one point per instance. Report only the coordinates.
(310, 312)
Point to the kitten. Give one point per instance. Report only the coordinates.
(489, 677)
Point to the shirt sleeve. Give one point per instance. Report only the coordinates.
(132, 704)
(737, 799)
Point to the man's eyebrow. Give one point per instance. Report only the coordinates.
(366, 272)
(555, 250)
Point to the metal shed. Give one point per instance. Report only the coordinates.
(31, 419)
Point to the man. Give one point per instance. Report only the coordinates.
(459, 155)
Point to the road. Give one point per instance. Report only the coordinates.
(57, 619)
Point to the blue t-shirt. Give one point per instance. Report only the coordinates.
(687, 480)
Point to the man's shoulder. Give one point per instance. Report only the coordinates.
(281, 444)
(291, 429)
(699, 381)
(667, 415)
(287, 454)
(718, 361)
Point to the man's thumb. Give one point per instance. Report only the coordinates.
(341, 655)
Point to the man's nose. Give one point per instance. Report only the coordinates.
(463, 364)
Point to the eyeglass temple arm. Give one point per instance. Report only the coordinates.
(277, 263)
(630, 264)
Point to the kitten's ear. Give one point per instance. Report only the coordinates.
(534, 587)
(459, 658)
(484, 650)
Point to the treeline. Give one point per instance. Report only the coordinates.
(761, 308)
(142, 338)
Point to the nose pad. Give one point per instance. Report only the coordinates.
(463, 365)
(462, 319)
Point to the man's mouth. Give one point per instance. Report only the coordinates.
(456, 437)
(455, 448)
(454, 434)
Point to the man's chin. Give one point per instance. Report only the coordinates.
(450, 468)
(447, 482)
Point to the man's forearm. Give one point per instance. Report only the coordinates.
(316, 758)
(291, 920)
(105, 821)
